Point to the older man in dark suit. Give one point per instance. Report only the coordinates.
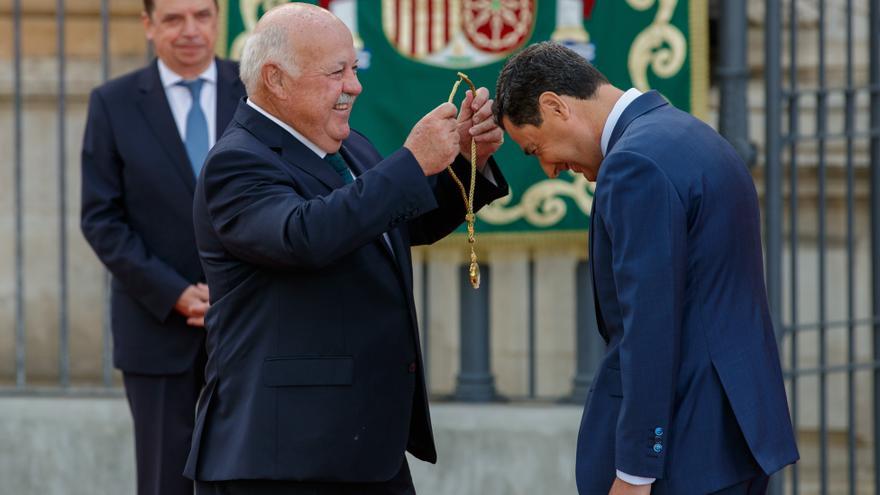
(146, 138)
(314, 377)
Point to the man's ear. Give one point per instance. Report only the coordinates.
(148, 25)
(273, 80)
(551, 105)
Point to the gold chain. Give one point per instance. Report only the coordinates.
(468, 196)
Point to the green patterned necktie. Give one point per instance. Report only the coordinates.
(339, 165)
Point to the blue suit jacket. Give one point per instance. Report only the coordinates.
(690, 391)
(314, 370)
(137, 190)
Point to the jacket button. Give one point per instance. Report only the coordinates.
(658, 448)
(412, 367)
(658, 432)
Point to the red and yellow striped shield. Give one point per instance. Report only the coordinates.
(457, 33)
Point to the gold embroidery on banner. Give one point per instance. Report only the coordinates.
(543, 204)
(661, 46)
(571, 33)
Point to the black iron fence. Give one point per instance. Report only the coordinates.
(820, 151)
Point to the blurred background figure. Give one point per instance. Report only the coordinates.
(146, 139)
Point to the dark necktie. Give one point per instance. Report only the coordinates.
(339, 165)
(196, 127)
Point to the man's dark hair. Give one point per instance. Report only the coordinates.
(149, 5)
(545, 66)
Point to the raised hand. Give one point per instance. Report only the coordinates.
(434, 140)
(475, 121)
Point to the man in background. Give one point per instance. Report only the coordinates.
(314, 378)
(689, 398)
(146, 138)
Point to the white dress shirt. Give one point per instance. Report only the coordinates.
(622, 102)
(610, 123)
(180, 99)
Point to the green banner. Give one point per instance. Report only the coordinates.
(410, 51)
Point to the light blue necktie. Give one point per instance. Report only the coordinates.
(196, 127)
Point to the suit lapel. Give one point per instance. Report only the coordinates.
(299, 155)
(292, 151)
(228, 91)
(600, 320)
(154, 106)
(640, 106)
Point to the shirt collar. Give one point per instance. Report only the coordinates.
(615, 114)
(299, 137)
(170, 78)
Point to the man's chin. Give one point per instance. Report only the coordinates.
(194, 61)
(342, 134)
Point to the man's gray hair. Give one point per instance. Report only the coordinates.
(270, 44)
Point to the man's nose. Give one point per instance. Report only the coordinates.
(190, 26)
(352, 85)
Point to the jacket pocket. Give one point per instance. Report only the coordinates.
(308, 371)
(611, 379)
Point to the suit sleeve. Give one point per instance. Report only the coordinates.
(148, 279)
(646, 221)
(450, 213)
(260, 217)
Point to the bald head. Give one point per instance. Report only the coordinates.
(300, 66)
(288, 36)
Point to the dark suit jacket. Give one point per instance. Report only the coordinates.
(137, 189)
(690, 390)
(314, 370)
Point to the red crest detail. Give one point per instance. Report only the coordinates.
(498, 26)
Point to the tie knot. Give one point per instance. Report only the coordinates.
(338, 163)
(194, 87)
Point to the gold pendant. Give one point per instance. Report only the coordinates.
(475, 274)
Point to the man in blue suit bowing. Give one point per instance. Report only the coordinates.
(147, 134)
(689, 398)
(314, 377)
